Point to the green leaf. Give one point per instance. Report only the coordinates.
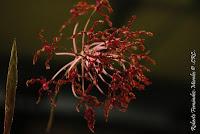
(11, 86)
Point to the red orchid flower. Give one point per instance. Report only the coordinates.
(113, 56)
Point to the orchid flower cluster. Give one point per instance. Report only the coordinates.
(108, 61)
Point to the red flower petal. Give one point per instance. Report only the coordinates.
(89, 115)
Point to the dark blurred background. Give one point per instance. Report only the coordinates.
(163, 108)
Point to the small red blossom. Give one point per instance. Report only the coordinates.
(89, 115)
(108, 106)
(80, 9)
(48, 48)
(113, 57)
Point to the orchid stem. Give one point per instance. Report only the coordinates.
(82, 52)
(51, 115)
(74, 39)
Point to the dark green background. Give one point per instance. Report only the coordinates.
(162, 108)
